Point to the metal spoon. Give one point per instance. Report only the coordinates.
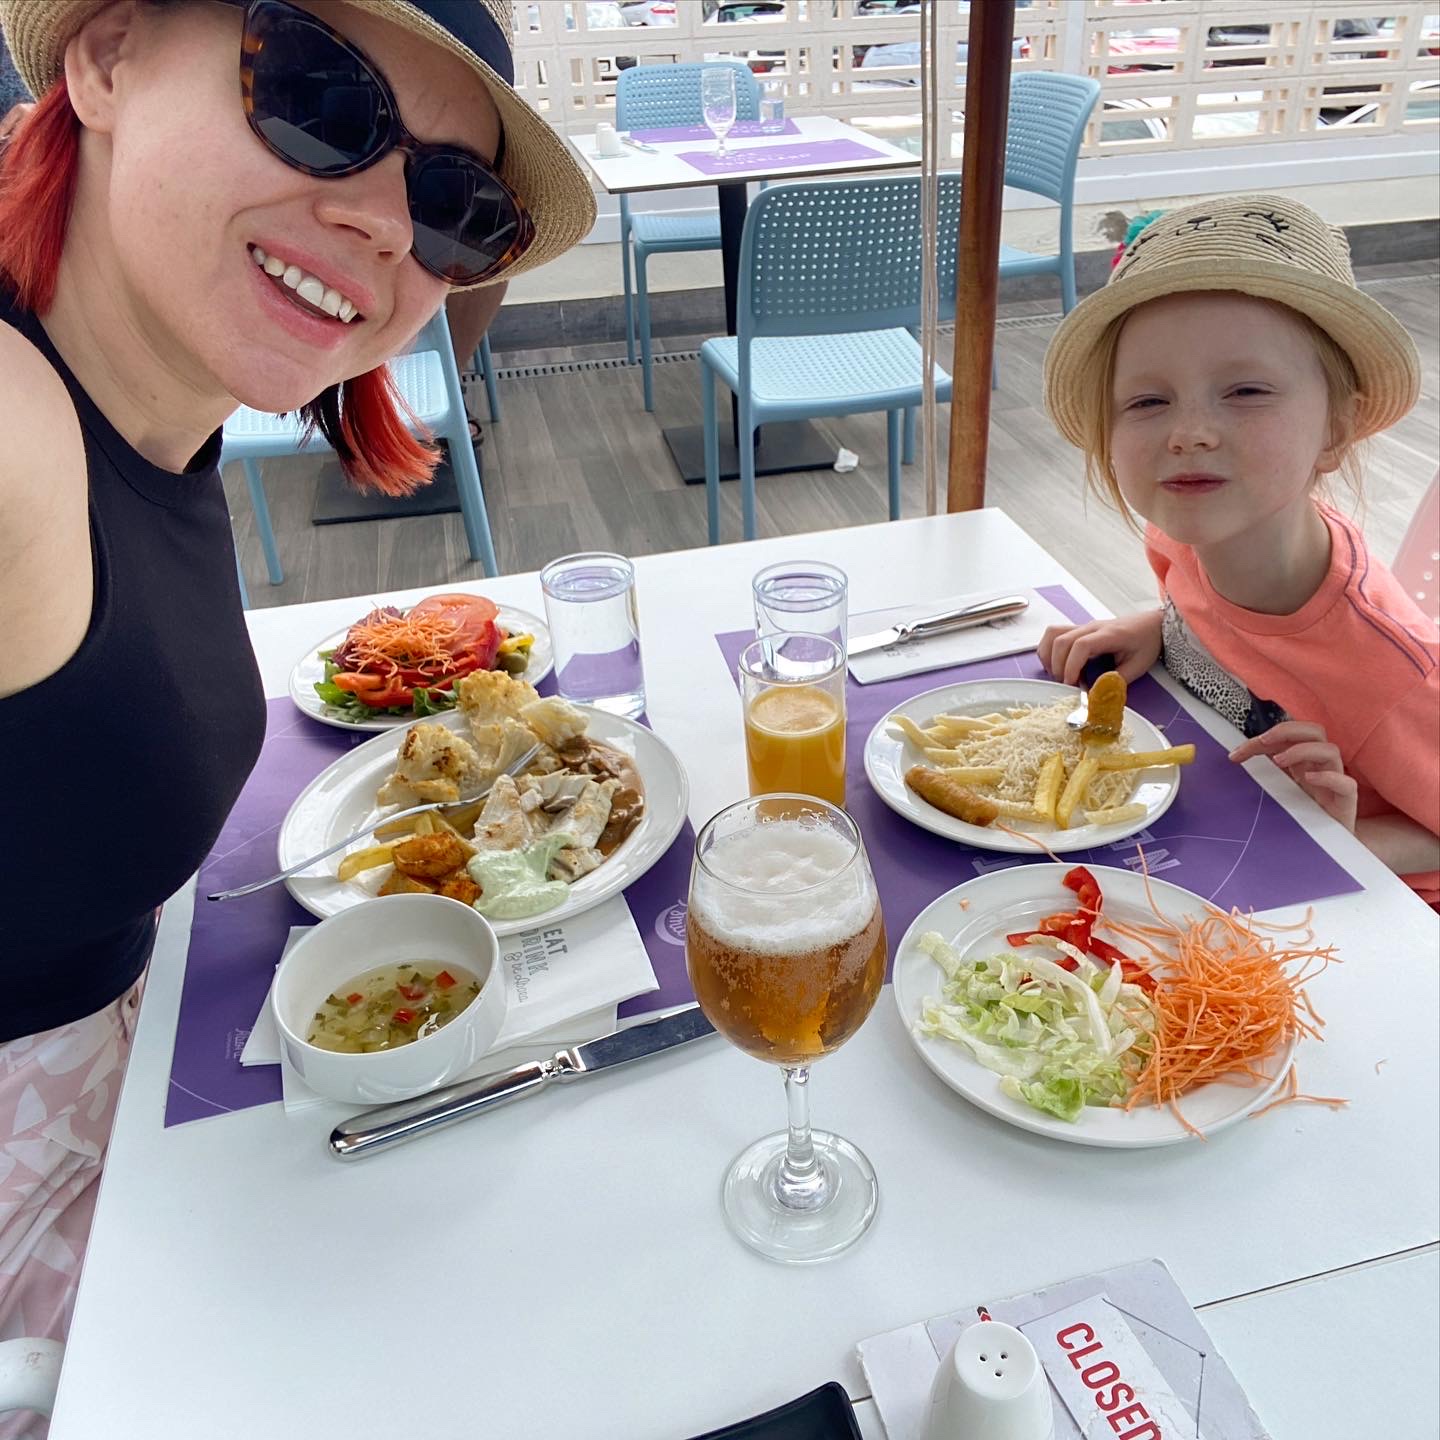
(513, 769)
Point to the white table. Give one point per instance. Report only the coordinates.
(790, 445)
(240, 1282)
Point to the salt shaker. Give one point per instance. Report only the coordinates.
(991, 1386)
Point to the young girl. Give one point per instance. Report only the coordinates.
(214, 202)
(1229, 366)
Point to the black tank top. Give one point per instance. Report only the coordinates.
(117, 771)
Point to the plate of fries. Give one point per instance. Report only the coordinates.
(966, 760)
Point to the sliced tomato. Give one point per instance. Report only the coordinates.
(477, 638)
(391, 695)
(357, 682)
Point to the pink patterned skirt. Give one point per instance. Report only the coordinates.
(58, 1092)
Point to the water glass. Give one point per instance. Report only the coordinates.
(717, 100)
(595, 631)
(803, 595)
(792, 691)
(772, 107)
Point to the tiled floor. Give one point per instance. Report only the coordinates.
(577, 463)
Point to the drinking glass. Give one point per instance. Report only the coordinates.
(792, 691)
(772, 107)
(595, 631)
(785, 945)
(717, 99)
(803, 595)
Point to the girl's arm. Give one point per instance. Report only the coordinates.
(1406, 846)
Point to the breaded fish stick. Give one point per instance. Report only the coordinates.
(946, 793)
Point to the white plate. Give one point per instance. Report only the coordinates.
(310, 670)
(342, 798)
(889, 756)
(1007, 900)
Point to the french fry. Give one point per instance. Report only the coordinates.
(1075, 788)
(367, 859)
(1021, 810)
(1048, 783)
(976, 774)
(462, 821)
(425, 824)
(1116, 814)
(956, 726)
(943, 758)
(444, 827)
(1145, 759)
(392, 829)
(910, 730)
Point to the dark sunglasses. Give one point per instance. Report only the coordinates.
(321, 105)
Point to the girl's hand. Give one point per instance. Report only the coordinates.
(1134, 641)
(1301, 750)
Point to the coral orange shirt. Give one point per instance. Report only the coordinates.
(1358, 658)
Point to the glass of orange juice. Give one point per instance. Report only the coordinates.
(792, 686)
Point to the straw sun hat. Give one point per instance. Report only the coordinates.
(1268, 246)
(536, 163)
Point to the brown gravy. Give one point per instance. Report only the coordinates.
(605, 762)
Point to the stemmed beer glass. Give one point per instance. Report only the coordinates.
(717, 102)
(785, 945)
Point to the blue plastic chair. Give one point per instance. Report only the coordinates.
(1046, 122)
(829, 294)
(484, 362)
(429, 380)
(654, 97)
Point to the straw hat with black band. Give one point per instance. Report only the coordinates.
(536, 163)
(1268, 246)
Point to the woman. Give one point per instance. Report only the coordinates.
(214, 203)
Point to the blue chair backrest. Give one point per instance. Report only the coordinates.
(841, 255)
(651, 97)
(1046, 123)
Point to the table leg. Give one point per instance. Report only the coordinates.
(779, 448)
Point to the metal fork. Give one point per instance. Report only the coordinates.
(513, 769)
(1092, 670)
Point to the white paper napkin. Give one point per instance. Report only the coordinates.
(563, 982)
(959, 647)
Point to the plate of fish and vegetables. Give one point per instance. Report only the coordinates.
(995, 764)
(597, 806)
(1099, 1006)
(397, 664)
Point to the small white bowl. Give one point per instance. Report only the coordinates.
(391, 929)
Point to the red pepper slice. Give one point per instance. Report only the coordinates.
(354, 999)
(403, 1016)
(412, 992)
(445, 980)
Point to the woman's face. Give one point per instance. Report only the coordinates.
(192, 193)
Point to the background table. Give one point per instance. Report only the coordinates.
(240, 1282)
(793, 444)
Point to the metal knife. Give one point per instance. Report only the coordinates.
(636, 145)
(982, 612)
(380, 1129)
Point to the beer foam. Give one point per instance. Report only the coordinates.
(775, 860)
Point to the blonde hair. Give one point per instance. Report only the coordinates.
(1096, 387)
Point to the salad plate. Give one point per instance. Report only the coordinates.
(309, 671)
(341, 800)
(889, 755)
(974, 919)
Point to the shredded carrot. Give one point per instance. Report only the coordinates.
(1032, 839)
(386, 643)
(1227, 994)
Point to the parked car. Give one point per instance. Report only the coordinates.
(1422, 103)
(732, 12)
(648, 12)
(907, 52)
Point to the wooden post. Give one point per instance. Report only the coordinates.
(987, 102)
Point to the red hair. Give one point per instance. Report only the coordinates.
(364, 420)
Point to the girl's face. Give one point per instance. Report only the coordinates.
(191, 194)
(1220, 415)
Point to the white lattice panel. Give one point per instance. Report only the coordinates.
(1169, 81)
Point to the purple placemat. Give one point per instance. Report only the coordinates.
(1220, 816)
(742, 129)
(235, 946)
(773, 157)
